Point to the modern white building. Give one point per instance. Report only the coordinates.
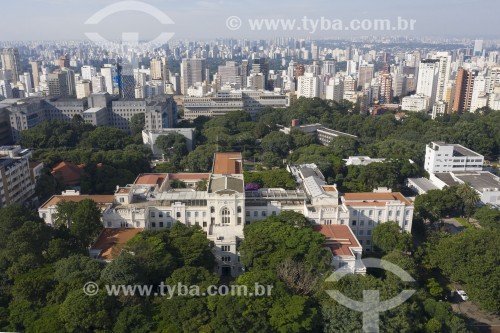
(362, 160)
(308, 86)
(416, 103)
(149, 137)
(428, 77)
(442, 157)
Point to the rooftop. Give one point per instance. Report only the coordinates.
(151, 179)
(111, 241)
(339, 238)
(101, 200)
(423, 183)
(480, 180)
(373, 197)
(228, 164)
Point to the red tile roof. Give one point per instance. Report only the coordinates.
(111, 241)
(68, 173)
(188, 176)
(151, 179)
(340, 238)
(228, 164)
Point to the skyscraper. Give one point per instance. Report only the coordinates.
(385, 88)
(428, 74)
(308, 86)
(229, 73)
(36, 71)
(478, 48)
(64, 61)
(365, 74)
(192, 71)
(443, 74)
(123, 81)
(11, 62)
(58, 84)
(463, 90)
(88, 72)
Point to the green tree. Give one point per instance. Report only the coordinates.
(137, 123)
(470, 198)
(278, 143)
(388, 237)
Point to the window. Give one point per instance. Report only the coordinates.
(161, 224)
(109, 224)
(239, 209)
(398, 213)
(264, 213)
(256, 213)
(341, 221)
(247, 213)
(362, 223)
(371, 212)
(204, 224)
(195, 214)
(178, 214)
(390, 213)
(153, 225)
(212, 209)
(152, 214)
(370, 222)
(160, 214)
(239, 220)
(226, 248)
(188, 214)
(353, 222)
(226, 259)
(226, 216)
(122, 200)
(369, 232)
(361, 232)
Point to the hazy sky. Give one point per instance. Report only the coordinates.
(64, 19)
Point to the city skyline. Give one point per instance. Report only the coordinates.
(64, 20)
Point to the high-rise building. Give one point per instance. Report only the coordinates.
(261, 65)
(11, 62)
(308, 86)
(385, 88)
(26, 82)
(107, 73)
(64, 61)
(428, 75)
(230, 73)
(83, 89)
(58, 84)
(463, 90)
(36, 71)
(335, 89)
(365, 75)
(88, 72)
(478, 48)
(98, 84)
(443, 74)
(328, 68)
(478, 92)
(123, 81)
(156, 69)
(70, 75)
(192, 71)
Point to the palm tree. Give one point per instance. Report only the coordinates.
(470, 198)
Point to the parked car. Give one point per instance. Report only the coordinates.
(462, 294)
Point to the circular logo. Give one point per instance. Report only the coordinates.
(90, 288)
(233, 23)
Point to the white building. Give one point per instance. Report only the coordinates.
(218, 203)
(416, 103)
(367, 210)
(16, 182)
(83, 89)
(308, 86)
(442, 157)
(428, 75)
(363, 160)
